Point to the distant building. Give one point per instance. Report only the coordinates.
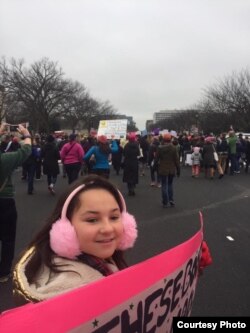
(129, 118)
(149, 123)
(164, 114)
(167, 114)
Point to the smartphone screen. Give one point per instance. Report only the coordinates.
(13, 128)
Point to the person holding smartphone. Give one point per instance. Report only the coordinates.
(8, 213)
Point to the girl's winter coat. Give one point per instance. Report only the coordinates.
(196, 158)
(75, 274)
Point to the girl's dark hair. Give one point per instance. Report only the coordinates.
(43, 254)
(104, 148)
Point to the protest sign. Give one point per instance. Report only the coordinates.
(142, 298)
(116, 128)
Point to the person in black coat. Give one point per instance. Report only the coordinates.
(50, 156)
(117, 158)
(30, 166)
(143, 160)
(247, 150)
(154, 175)
(131, 153)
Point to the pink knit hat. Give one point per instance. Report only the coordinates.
(210, 139)
(102, 139)
(131, 136)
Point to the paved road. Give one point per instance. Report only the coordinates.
(224, 289)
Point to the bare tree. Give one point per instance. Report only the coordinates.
(107, 110)
(99, 111)
(41, 95)
(74, 109)
(40, 90)
(2, 103)
(231, 97)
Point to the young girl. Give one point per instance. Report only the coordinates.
(83, 241)
(196, 162)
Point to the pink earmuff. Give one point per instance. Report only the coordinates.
(129, 227)
(63, 238)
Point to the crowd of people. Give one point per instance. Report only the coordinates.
(86, 234)
(226, 153)
(222, 154)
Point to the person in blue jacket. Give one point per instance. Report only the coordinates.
(101, 154)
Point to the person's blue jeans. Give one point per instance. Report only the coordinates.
(154, 175)
(51, 179)
(232, 159)
(167, 189)
(237, 162)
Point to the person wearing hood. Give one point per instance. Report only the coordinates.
(168, 166)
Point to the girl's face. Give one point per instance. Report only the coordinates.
(98, 223)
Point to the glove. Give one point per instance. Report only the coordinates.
(206, 258)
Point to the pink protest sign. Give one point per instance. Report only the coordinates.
(145, 297)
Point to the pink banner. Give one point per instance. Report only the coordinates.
(142, 298)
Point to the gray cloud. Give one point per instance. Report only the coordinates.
(141, 55)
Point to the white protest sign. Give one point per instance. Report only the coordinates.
(116, 128)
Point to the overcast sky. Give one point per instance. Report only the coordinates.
(141, 55)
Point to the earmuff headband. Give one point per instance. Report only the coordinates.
(63, 238)
(69, 198)
(78, 189)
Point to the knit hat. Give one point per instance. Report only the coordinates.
(102, 139)
(210, 139)
(167, 137)
(132, 136)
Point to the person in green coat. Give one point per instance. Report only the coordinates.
(8, 213)
(232, 139)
